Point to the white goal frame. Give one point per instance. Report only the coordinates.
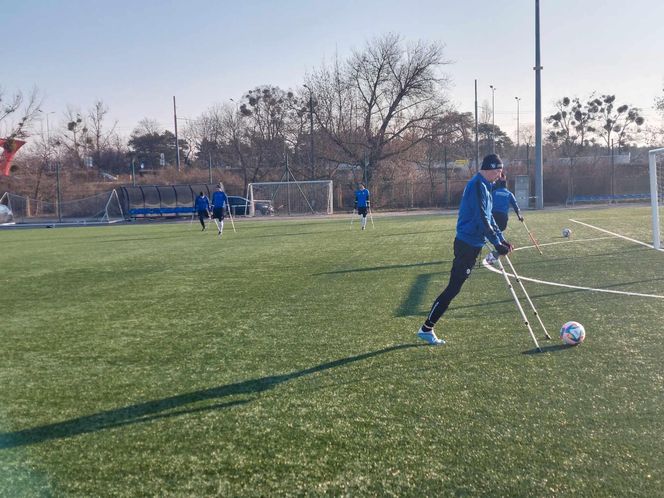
(326, 184)
(656, 197)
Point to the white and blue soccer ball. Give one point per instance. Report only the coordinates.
(567, 232)
(572, 333)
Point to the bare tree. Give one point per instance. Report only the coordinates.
(380, 102)
(17, 105)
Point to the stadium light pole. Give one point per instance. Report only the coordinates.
(539, 181)
(311, 130)
(518, 100)
(493, 118)
(177, 142)
(477, 141)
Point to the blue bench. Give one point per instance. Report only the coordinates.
(606, 198)
(161, 211)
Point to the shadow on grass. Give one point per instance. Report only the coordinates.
(380, 268)
(548, 349)
(153, 410)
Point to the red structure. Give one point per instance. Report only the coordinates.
(9, 149)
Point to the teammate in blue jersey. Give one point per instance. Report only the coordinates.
(202, 208)
(362, 204)
(219, 206)
(475, 224)
(502, 200)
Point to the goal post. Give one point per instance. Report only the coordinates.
(290, 197)
(656, 170)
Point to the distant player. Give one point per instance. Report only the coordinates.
(362, 204)
(219, 205)
(202, 208)
(502, 200)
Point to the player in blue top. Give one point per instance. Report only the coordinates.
(475, 224)
(362, 204)
(219, 205)
(502, 200)
(202, 207)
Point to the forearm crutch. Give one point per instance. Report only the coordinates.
(518, 304)
(534, 240)
(232, 224)
(371, 217)
(546, 334)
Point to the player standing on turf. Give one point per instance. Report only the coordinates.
(502, 200)
(474, 224)
(362, 204)
(202, 207)
(219, 204)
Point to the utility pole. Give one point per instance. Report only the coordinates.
(312, 161)
(539, 181)
(177, 142)
(477, 142)
(518, 99)
(493, 119)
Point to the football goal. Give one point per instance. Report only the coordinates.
(100, 208)
(656, 168)
(290, 197)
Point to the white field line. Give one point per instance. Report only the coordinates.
(561, 242)
(613, 233)
(567, 286)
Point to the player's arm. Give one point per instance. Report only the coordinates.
(491, 230)
(515, 206)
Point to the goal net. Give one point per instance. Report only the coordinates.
(290, 198)
(100, 208)
(656, 167)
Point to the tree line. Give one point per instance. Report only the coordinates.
(382, 113)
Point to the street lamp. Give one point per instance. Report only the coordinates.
(518, 99)
(493, 118)
(311, 130)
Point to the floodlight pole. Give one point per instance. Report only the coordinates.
(539, 182)
(477, 142)
(311, 131)
(493, 119)
(177, 142)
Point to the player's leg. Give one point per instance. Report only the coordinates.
(501, 220)
(363, 219)
(465, 256)
(201, 218)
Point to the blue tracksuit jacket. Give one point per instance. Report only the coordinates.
(362, 198)
(503, 199)
(475, 221)
(202, 203)
(219, 199)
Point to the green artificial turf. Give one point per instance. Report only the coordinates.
(281, 360)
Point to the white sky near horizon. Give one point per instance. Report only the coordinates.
(136, 55)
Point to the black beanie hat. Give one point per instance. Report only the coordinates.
(492, 161)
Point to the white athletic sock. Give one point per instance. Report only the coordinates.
(364, 221)
(221, 226)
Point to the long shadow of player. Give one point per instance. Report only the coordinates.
(161, 408)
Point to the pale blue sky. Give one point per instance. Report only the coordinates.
(135, 55)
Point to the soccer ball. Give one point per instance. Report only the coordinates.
(572, 333)
(567, 232)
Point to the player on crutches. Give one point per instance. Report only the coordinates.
(219, 205)
(202, 209)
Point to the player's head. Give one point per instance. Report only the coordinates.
(362, 187)
(220, 187)
(492, 167)
(501, 184)
(201, 194)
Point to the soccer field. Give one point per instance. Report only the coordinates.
(157, 360)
